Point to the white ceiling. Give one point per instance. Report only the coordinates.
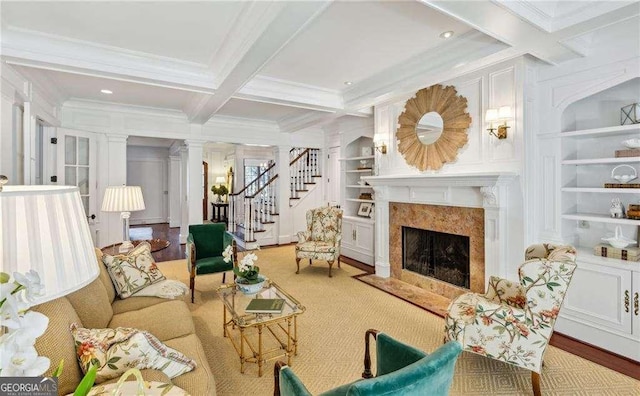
(287, 61)
(351, 41)
(189, 31)
(76, 86)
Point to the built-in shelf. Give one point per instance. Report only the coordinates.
(357, 186)
(359, 171)
(602, 190)
(599, 218)
(360, 219)
(596, 161)
(586, 253)
(366, 157)
(608, 131)
(360, 200)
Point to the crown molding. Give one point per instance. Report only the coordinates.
(48, 89)
(472, 50)
(53, 52)
(109, 107)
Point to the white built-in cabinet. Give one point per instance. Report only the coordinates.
(357, 231)
(601, 306)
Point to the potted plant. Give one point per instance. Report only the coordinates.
(248, 280)
(220, 191)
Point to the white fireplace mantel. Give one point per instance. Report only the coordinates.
(488, 190)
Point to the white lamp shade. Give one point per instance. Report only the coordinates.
(44, 228)
(220, 180)
(122, 199)
(504, 112)
(492, 115)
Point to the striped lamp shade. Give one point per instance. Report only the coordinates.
(122, 199)
(44, 228)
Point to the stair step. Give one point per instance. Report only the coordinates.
(268, 222)
(310, 183)
(256, 231)
(302, 190)
(294, 198)
(240, 235)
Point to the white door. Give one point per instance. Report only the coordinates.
(151, 176)
(333, 177)
(76, 158)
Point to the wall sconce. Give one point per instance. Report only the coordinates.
(382, 148)
(501, 114)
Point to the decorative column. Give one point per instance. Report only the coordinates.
(494, 201)
(383, 267)
(175, 177)
(184, 199)
(285, 219)
(195, 184)
(116, 166)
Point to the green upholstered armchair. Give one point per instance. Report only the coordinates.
(401, 370)
(205, 245)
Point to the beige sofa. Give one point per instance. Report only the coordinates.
(96, 306)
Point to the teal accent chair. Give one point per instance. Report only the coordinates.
(205, 245)
(401, 370)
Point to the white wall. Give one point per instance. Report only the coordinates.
(148, 168)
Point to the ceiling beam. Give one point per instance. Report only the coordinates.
(291, 20)
(500, 23)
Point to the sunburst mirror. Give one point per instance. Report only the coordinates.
(433, 127)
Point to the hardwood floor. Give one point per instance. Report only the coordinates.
(175, 251)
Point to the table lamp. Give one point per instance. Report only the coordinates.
(44, 228)
(123, 199)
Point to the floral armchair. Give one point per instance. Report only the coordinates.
(321, 240)
(513, 321)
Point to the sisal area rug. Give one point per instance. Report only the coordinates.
(331, 337)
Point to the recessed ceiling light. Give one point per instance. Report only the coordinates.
(447, 34)
(106, 91)
(348, 82)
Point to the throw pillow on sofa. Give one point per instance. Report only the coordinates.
(114, 351)
(133, 271)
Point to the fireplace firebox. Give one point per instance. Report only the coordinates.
(436, 254)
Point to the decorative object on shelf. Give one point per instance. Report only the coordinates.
(365, 196)
(619, 240)
(364, 164)
(632, 143)
(628, 253)
(366, 151)
(625, 177)
(621, 185)
(630, 114)
(249, 280)
(633, 212)
(382, 148)
(628, 153)
(123, 199)
(502, 114)
(452, 108)
(365, 209)
(221, 189)
(362, 182)
(617, 209)
(34, 219)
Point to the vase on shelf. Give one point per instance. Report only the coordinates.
(250, 287)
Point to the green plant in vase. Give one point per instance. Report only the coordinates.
(248, 279)
(220, 191)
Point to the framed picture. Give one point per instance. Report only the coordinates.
(365, 209)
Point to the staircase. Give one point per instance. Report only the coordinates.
(253, 211)
(304, 168)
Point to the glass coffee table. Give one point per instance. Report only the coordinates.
(243, 328)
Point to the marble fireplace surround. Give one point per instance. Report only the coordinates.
(487, 191)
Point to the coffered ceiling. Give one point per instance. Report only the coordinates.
(286, 62)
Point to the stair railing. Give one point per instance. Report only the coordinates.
(253, 199)
(303, 166)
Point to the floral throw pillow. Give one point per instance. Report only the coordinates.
(133, 271)
(114, 351)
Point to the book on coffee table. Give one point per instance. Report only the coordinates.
(265, 305)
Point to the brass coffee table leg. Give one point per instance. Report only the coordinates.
(224, 321)
(295, 335)
(289, 350)
(241, 350)
(259, 350)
